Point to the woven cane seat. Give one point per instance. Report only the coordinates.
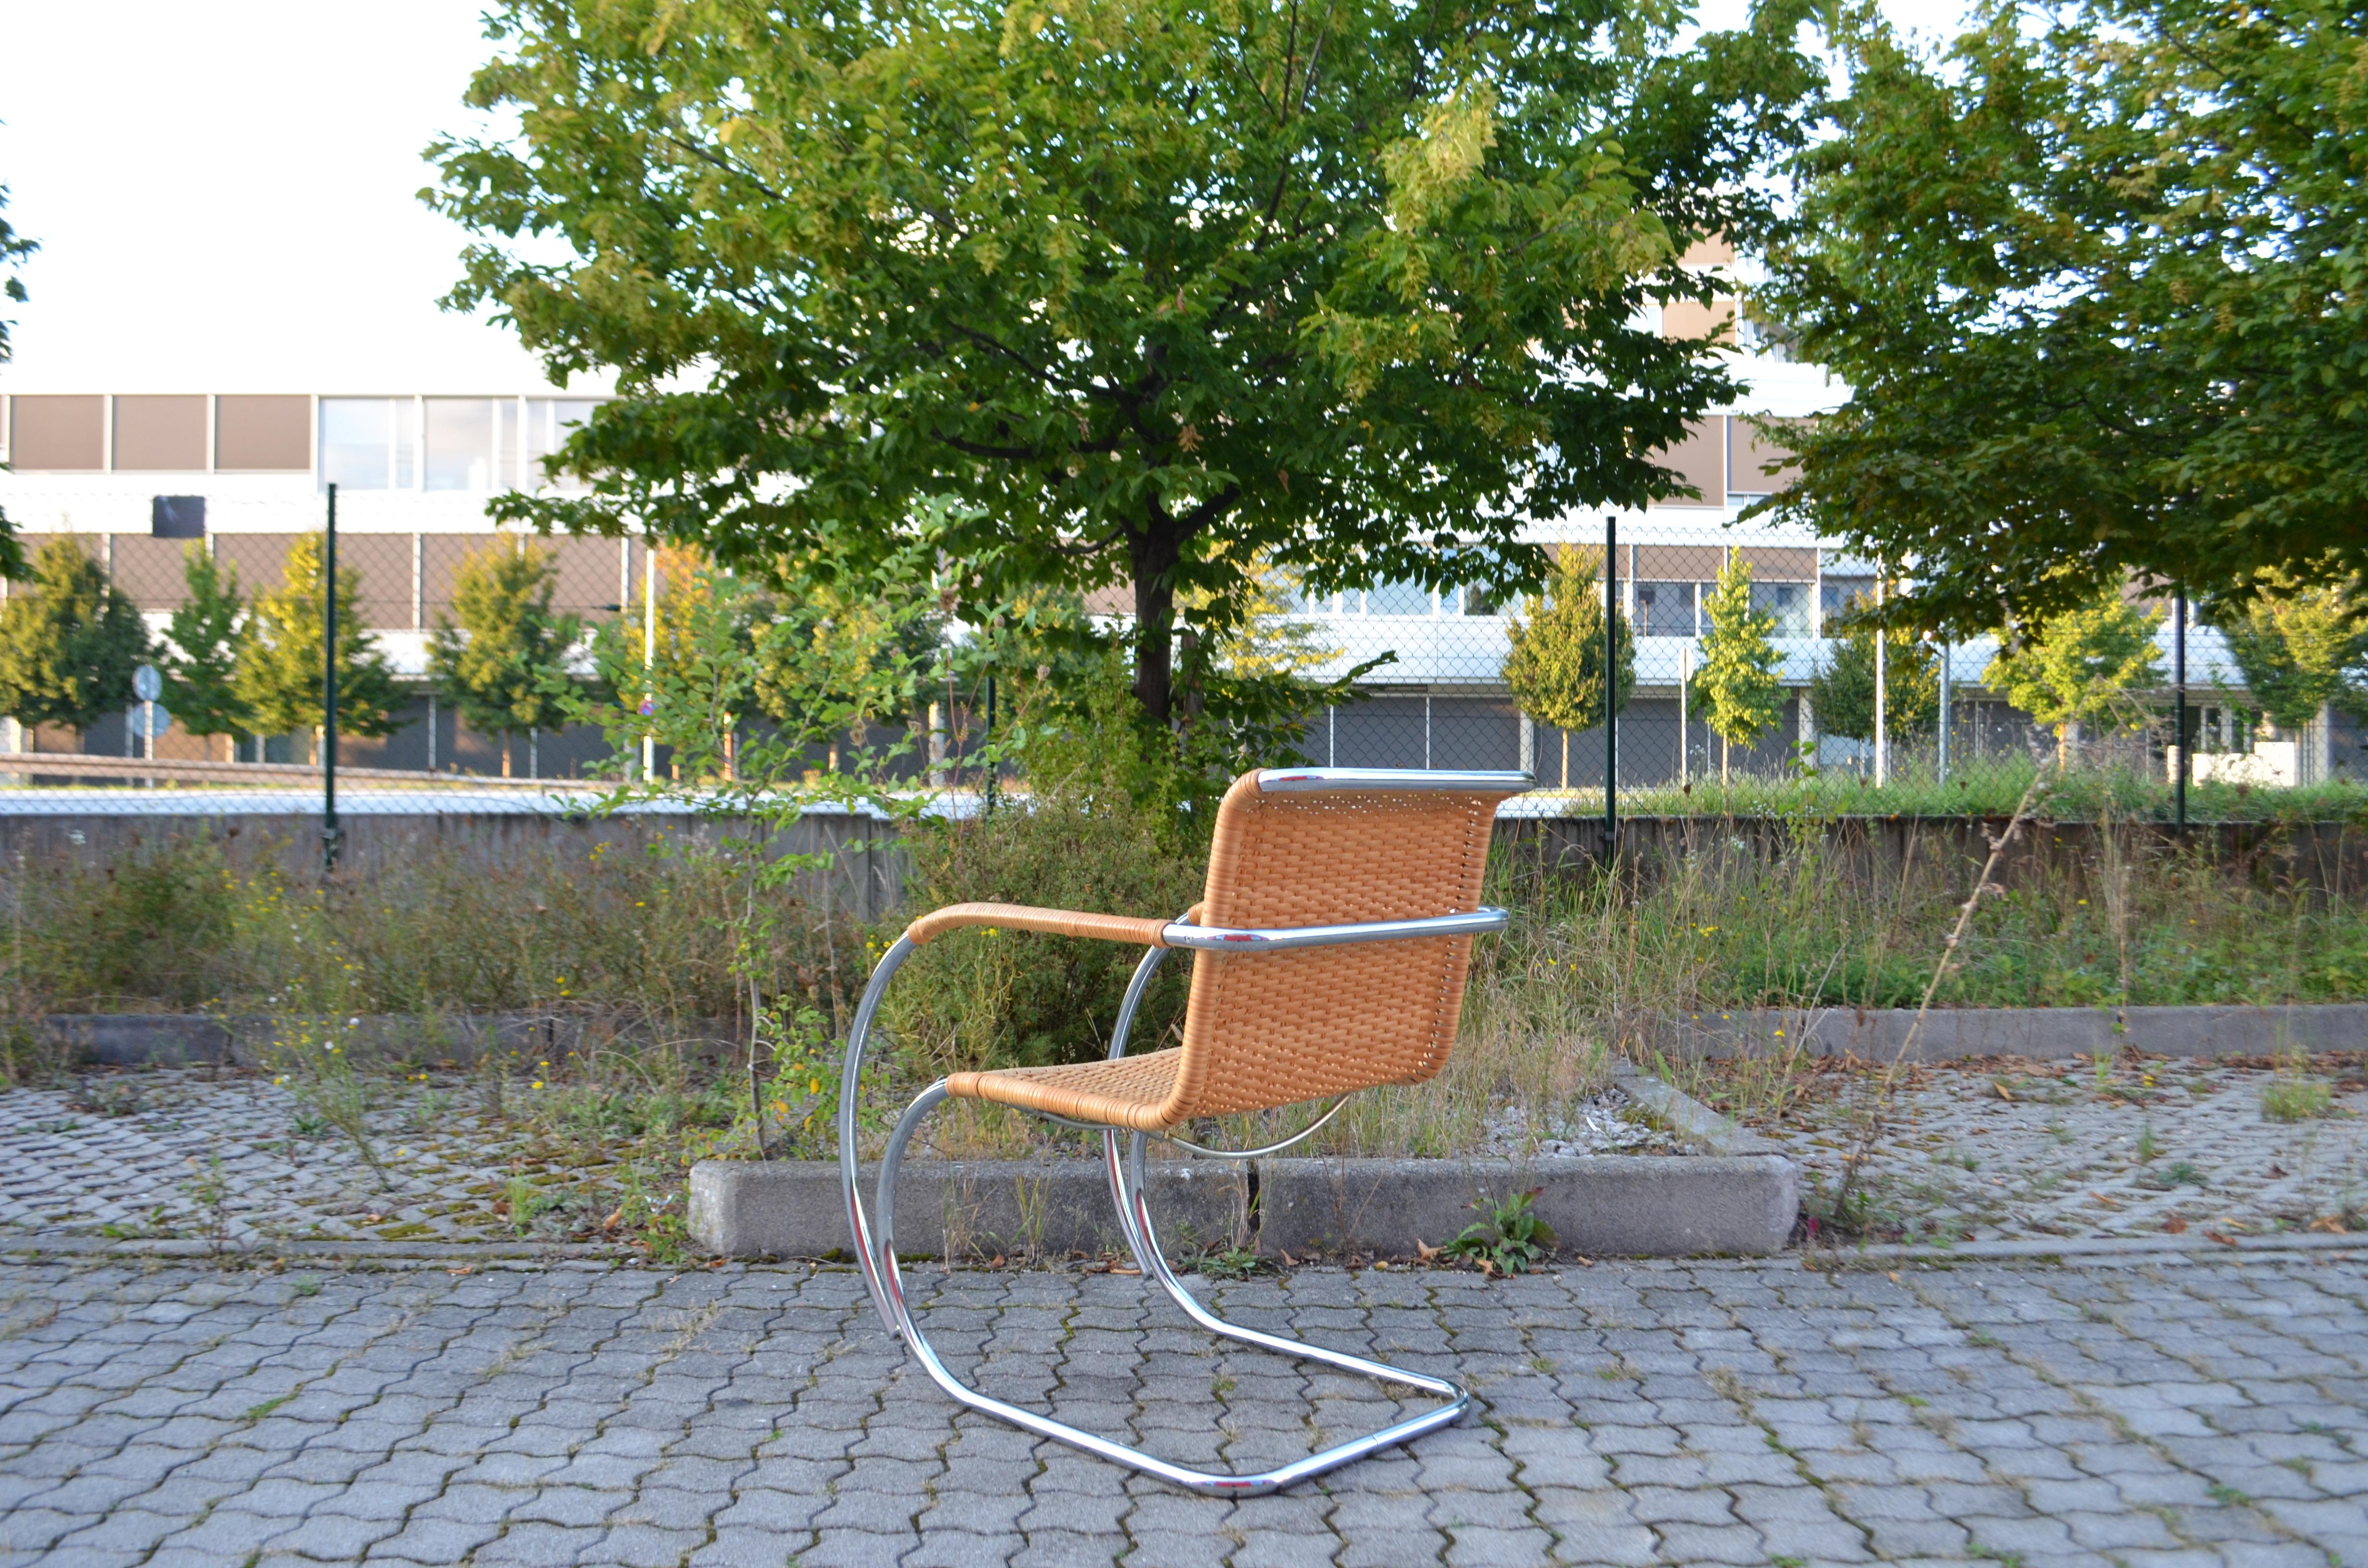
(1129, 1092)
(1268, 1029)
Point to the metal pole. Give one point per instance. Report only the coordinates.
(1685, 730)
(329, 829)
(1610, 685)
(1882, 751)
(1941, 760)
(649, 656)
(2179, 683)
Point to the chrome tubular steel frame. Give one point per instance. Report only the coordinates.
(875, 1241)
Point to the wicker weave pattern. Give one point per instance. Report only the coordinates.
(1128, 1092)
(1273, 1028)
(1267, 1029)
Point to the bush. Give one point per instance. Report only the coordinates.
(994, 999)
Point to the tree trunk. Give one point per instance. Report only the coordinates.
(1153, 558)
(1721, 761)
(506, 754)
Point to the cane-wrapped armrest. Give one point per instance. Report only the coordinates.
(1026, 917)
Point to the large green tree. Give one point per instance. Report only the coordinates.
(503, 657)
(2095, 280)
(13, 249)
(1152, 288)
(69, 641)
(279, 677)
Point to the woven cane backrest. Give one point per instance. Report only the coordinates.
(1265, 1029)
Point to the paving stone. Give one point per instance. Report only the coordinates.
(854, 1458)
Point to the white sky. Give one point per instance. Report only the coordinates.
(225, 195)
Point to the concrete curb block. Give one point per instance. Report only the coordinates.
(981, 1209)
(1736, 1197)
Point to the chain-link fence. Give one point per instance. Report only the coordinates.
(1927, 732)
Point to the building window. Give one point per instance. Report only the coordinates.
(548, 422)
(464, 446)
(1836, 597)
(368, 443)
(1666, 609)
(1397, 599)
(1788, 602)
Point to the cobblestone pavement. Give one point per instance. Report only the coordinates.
(2005, 1149)
(178, 1154)
(2156, 1413)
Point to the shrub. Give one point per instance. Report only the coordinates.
(998, 998)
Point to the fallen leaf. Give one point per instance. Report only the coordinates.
(2223, 1241)
(2174, 1224)
(2105, 1200)
(1124, 1268)
(718, 1263)
(1424, 1253)
(1582, 1261)
(1895, 1277)
(2277, 1170)
(463, 1271)
(616, 1218)
(2001, 1091)
(2332, 1225)
(1289, 1261)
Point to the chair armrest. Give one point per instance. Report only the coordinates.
(1051, 921)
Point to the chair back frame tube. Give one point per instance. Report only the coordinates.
(1243, 938)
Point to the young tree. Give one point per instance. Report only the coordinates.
(278, 676)
(69, 641)
(1842, 691)
(504, 662)
(2092, 278)
(2080, 667)
(691, 690)
(844, 651)
(1736, 687)
(2301, 650)
(1556, 666)
(206, 634)
(1153, 290)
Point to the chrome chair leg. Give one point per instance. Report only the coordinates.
(1135, 1215)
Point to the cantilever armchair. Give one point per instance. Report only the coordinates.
(1333, 944)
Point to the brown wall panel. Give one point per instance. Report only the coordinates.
(1774, 564)
(1678, 563)
(1747, 451)
(1701, 460)
(260, 560)
(1690, 318)
(440, 558)
(47, 432)
(1716, 250)
(384, 564)
(153, 572)
(587, 576)
(264, 434)
(160, 433)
